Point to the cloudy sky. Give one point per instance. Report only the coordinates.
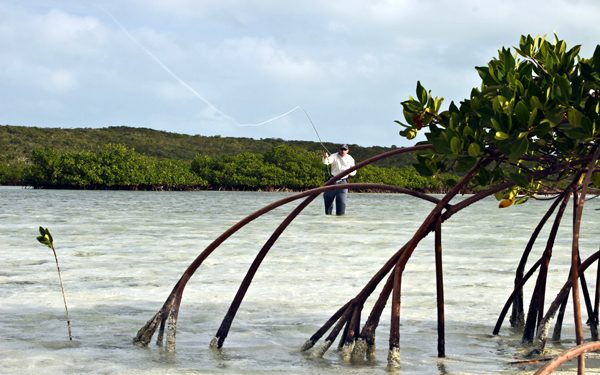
(213, 67)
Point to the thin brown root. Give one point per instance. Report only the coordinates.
(530, 361)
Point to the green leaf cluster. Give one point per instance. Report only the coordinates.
(537, 108)
(45, 238)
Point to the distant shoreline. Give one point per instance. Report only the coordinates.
(161, 188)
(274, 190)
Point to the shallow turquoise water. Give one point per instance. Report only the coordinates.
(121, 253)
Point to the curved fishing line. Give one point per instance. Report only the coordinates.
(271, 119)
(196, 93)
(287, 113)
(166, 68)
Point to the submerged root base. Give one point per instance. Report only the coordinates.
(394, 358)
(214, 343)
(371, 352)
(346, 351)
(321, 349)
(144, 335)
(307, 345)
(171, 333)
(542, 336)
(359, 352)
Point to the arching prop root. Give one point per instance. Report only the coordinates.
(558, 302)
(536, 304)
(223, 330)
(517, 318)
(356, 344)
(363, 345)
(170, 308)
(167, 315)
(577, 351)
(165, 318)
(538, 324)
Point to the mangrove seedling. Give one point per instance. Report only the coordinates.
(45, 238)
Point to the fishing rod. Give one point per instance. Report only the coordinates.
(315, 129)
(319, 137)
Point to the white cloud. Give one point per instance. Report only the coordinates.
(45, 50)
(67, 31)
(52, 80)
(265, 56)
(59, 80)
(171, 91)
(349, 63)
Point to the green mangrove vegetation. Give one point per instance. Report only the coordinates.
(113, 167)
(144, 159)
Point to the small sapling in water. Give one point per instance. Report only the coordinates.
(45, 238)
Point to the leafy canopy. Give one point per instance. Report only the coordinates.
(537, 109)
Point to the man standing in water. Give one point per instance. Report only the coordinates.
(340, 161)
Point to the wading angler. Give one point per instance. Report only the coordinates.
(339, 162)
